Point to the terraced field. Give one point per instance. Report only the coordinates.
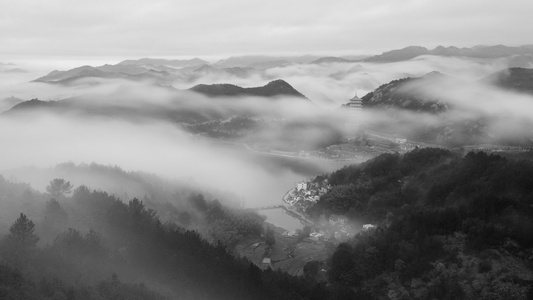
(287, 254)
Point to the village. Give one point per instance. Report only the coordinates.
(290, 251)
(335, 228)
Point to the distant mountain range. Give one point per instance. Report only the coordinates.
(165, 62)
(10, 68)
(15, 70)
(128, 70)
(134, 73)
(167, 71)
(9, 102)
(272, 89)
(331, 59)
(207, 70)
(260, 61)
(498, 51)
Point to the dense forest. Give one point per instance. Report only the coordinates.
(86, 244)
(449, 227)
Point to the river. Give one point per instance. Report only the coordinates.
(280, 218)
(278, 175)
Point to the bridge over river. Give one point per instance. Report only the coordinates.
(303, 220)
(268, 207)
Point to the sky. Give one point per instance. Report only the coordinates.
(106, 29)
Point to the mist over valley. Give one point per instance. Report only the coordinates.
(266, 151)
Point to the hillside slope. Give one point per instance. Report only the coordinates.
(408, 94)
(449, 227)
(515, 79)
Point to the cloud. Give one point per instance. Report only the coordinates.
(132, 126)
(141, 139)
(191, 28)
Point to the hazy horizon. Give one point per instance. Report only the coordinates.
(63, 30)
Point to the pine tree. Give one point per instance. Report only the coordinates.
(21, 233)
(59, 187)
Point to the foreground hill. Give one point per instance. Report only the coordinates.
(272, 89)
(448, 227)
(105, 248)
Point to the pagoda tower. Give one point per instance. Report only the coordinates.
(353, 111)
(355, 104)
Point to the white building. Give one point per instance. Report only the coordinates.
(267, 261)
(368, 226)
(301, 186)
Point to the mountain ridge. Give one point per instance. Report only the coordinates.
(165, 62)
(410, 52)
(274, 88)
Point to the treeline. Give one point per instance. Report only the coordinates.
(220, 224)
(370, 190)
(105, 248)
(288, 135)
(449, 227)
(15, 286)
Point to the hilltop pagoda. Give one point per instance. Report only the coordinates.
(355, 104)
(353, 111)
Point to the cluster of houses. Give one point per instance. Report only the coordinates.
(338, 227)
(307, 191)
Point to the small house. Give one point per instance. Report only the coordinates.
(267, 262)
(301, 186)
(368, 226)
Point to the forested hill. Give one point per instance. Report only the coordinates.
(92, 245)
(407, 94)
(272, 89)
(515, 79)
(449, 227)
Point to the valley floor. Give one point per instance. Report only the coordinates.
(288, 253)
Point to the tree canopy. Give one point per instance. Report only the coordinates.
(21, 233)
(59, 187)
